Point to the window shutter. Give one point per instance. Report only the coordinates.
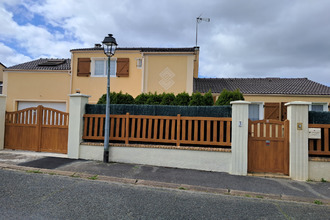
(84, 67)
(122, 67)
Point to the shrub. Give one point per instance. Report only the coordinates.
(103, 99)
(208, 98)
(197, 99)
(168, 99)
(227, 96)
(121, 98)
(142, 98)
(182, 99)
(154, 99)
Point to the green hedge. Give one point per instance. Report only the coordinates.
(162, 110)
(318, 117)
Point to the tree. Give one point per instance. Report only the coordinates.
(208, 98)
(182, 99)
(168, 99)
(197, 99)
(228, 96)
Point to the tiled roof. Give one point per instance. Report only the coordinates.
(42, 64)
(2, 64)
(289, 86)
(144, 49)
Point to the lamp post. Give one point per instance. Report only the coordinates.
(109, 46)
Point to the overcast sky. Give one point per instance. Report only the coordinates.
(245, 38)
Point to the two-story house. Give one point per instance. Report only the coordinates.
(48, 82)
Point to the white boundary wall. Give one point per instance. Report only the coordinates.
(319, 170)
(188, 159)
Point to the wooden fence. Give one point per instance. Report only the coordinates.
(320, 147)
(160, 129)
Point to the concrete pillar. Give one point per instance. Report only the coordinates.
(2, 120)
(76, 112)
(298, 141)
(239, 143)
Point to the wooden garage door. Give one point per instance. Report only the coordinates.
(37, 129)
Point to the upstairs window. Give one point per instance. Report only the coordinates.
(100, 67)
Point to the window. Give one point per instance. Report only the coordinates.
(0, 87)
(318, 106)
(256, 111)
(100, 67)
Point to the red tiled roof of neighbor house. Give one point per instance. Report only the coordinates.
(287, 86)
(144, 49)
(44, 64)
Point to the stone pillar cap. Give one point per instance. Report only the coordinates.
(79, 95)
(240, 102)
(298, 103)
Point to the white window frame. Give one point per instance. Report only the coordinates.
(93, 59)
(324, 104)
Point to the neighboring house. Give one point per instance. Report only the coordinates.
(2, 67)
(48, 82)
(39, 82)
(270, 94)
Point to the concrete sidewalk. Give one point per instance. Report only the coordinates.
(215, 182)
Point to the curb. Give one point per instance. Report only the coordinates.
(157, 184)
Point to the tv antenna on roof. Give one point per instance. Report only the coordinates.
(199, 19)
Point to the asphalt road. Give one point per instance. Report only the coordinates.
(26, 195)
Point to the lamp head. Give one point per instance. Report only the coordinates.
(109, 45)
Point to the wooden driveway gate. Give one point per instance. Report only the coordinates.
(268, 149)
(37, 129)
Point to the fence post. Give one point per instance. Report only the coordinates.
(239, 144)
(127, 129)
(2, 120)
(76, 113)
(297, 114)
(178, 131)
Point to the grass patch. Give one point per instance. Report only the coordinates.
(182, 188)
(75, 176)
(247, 195)
(309, 180)
(33, 171)
(51, 173)
(259, 197)
(93, 177)
(323, 180)
(318, 202)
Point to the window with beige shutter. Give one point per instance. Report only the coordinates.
(84, 65)
(122, 67)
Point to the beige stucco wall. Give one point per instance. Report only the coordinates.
(285, 98)
(96, 86)
(36, 86)
(169, 73)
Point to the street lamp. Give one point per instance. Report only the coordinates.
(109, 46)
